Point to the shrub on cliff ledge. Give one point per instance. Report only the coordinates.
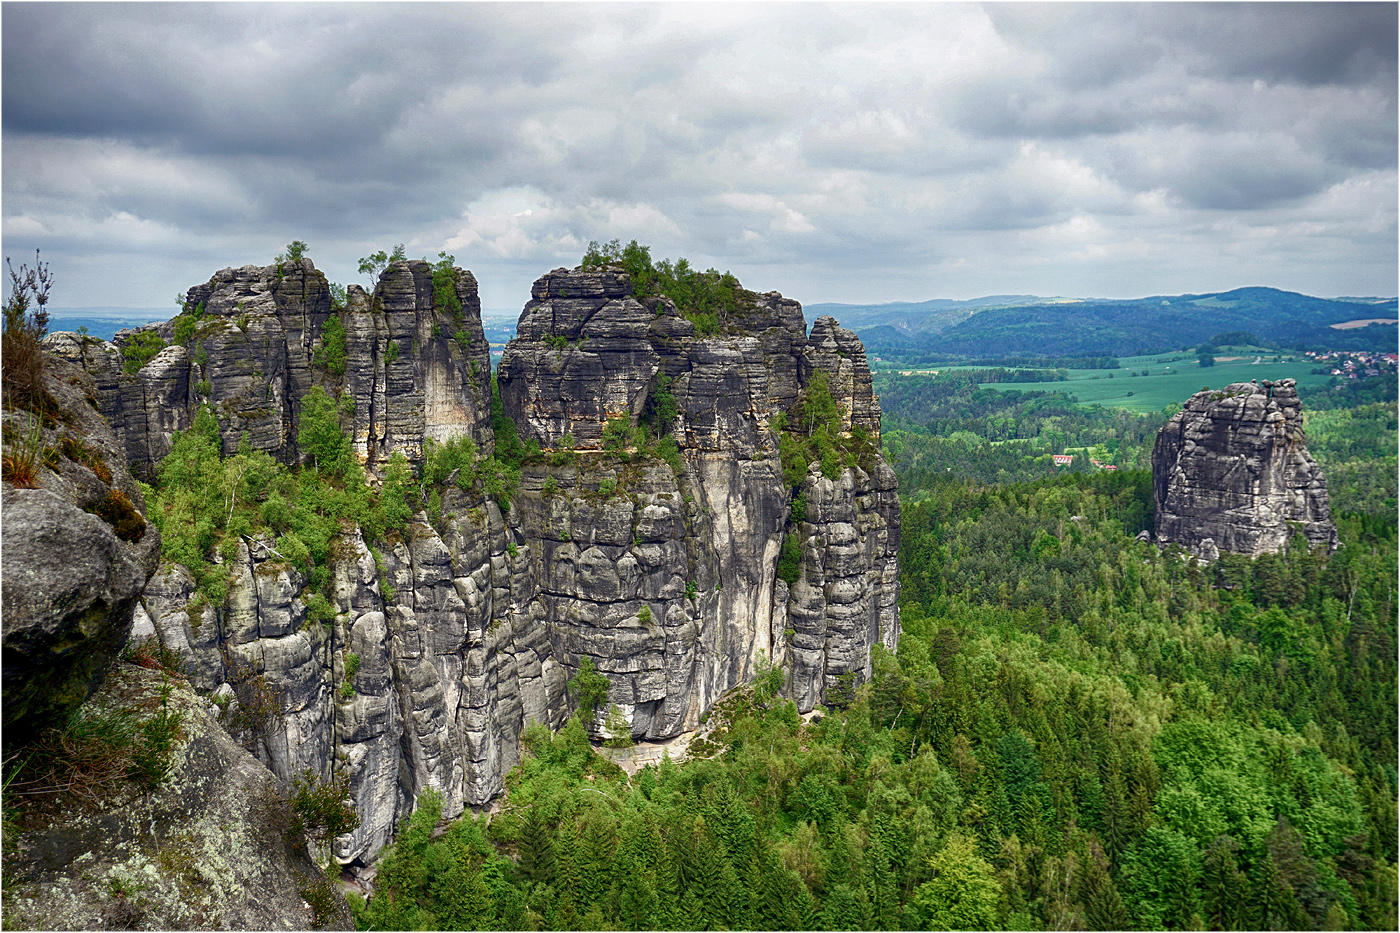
(445, 287)
(205, 504)
(811, 430)
(330, 355)
(140, 349)
(706, 299)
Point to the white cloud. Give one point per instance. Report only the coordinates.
(839, 152)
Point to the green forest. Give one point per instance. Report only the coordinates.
(1079, 730)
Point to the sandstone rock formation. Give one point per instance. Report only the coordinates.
(77, 553)
(586, 353)
(467, 626)
(1231, 472)
(206, 849)
(259, 342)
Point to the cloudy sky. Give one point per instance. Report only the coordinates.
(858, 153)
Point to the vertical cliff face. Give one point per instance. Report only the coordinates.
(657, 563)
(1231, 472)
(696, 550)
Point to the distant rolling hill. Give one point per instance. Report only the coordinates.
(1025, 325)
(106, 321)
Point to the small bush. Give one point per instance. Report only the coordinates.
(706, 299)
(151, 760)
(352, 667)
(319, 609)
(330, 356)
(295, 251)
(151, 654)
(320, 810)
(185, 326)
(141, 349)
(445, 287)
(588, 688)
(21, 357)
(116, 510)
(498, 480)
(617, 434)
(790, 559)
(669, 450)
(617, 729)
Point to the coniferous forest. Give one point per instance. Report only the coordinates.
(1079, 730)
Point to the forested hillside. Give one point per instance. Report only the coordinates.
(1117, 327)
(954, 427)
(1079, 730)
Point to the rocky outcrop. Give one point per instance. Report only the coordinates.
(665, 579)
(1231, 472)
(206, 849)
(77, 552)
(256, 339)
(656, 562)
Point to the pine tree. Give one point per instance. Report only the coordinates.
(1224, 886)
(1103, 906)
(461, 900)
(596, 850)
(880, 882)
(537, 849)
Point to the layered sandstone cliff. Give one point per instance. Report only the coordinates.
(451, 636)
(1231, 472)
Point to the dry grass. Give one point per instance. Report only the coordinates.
(23, 454)
(104, 748)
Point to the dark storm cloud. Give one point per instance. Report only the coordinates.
(312, 108)
(1096, 44)
(236, 78)
(1276, 102)
(985, 148)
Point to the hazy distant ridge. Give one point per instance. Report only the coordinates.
(1030, 325)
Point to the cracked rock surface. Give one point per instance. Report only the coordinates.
(1231, 472)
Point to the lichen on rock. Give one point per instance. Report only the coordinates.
(207, 848)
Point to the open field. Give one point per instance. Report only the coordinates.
(1174, 377)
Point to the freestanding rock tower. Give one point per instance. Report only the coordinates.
(1231, 472)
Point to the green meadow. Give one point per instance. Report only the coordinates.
(1172, 378)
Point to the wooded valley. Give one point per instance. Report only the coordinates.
(1079, 730)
